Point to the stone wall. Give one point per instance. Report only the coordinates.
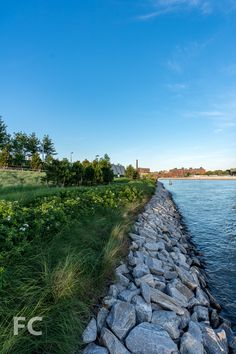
(160, 302)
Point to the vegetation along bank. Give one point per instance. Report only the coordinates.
(160, 301)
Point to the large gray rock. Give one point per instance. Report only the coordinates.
(176, 294)
(95, 349)
(149, 338)
(148, 279)
(214, 343)
(202, 297)
(155, 266)
(90, 333)
(202, 313)
(127, 295)
(121, 318)
(188, 294)
(143, 310)
(146, 293)
(187, 278)
(109, 340)
(140, 270)
(101, 318)
(169, 321)
(166, 301)
(191, 341)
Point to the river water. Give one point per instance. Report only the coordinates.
(209, 211)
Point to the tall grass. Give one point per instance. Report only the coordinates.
(15, 178)
(61, 280)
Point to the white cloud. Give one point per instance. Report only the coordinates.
(176, 87)
(157, 8)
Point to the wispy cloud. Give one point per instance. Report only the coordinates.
(177, 87)
(230, 70)
(182, 55)
(222, 113)
(156, 8)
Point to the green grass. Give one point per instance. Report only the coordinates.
(15, 178)
(63, 278)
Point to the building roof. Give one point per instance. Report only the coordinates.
(118, 170)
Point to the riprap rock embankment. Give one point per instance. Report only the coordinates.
(160, 302)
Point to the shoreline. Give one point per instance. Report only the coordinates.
(160, 301)
(202, 178)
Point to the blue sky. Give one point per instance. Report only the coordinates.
(147, 79)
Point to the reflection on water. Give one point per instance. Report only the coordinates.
(209, 211)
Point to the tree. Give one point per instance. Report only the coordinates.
(33, 144)
(131, 172)
(77, 173)
(5, 157)
(4, 137)
(19, 144)
(47, 147)
(36, 162)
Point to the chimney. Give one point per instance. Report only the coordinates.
(137, 165)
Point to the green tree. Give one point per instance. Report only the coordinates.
(4, 136)
(130, 172)
(19, 145)
(33, 144)
(47, 147)
(77, 173)
(36, 162)
(5, 157)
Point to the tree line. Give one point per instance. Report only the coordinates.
(65, 173)
(22, 150)
(28, 151)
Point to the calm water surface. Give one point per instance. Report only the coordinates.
(209, 211)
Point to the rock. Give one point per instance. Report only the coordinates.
(184, 319)
(149, 338)
(90, 333)
(95, 349)
(230, 336)
(140, 270)
(202, 297)
(148, 279)
(213, 343)
(166, 301)
(215, 320)
(170, 274)
(123, 280)
(145, 291)
(155, 266)
(188, 294)
(127, 295)
(113, 291)
(101, 318)
(176, 294)
(123, 269)
(191, 341)
(109, 301)
(121, 318)
(113, 344)
(187, 278)
(143, 310)
(154, 246)
(202, 313)
(169, 321)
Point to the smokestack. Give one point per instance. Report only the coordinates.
(137, 165)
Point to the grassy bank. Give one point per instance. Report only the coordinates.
(61, 274)
(15, 178)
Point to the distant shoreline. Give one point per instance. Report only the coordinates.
(201, 178)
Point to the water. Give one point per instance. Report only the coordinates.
(209, 211)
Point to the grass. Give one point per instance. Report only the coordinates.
(62, 279)
(15, 178)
